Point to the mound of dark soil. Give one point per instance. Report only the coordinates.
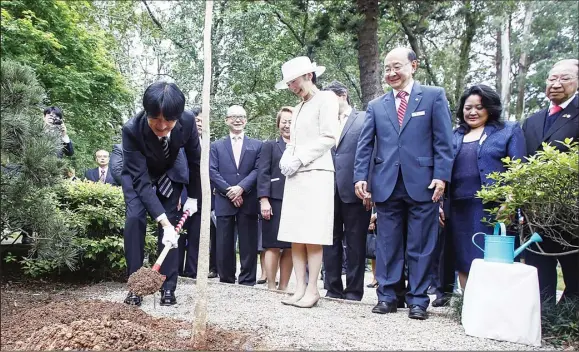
(145, 281)
(98, 325)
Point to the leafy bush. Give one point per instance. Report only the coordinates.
(95, 210)
(560, 323)
(545, 188)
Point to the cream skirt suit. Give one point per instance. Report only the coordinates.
(307, 214)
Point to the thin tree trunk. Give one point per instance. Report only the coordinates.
(199, 334)
(368, 58)
(498, 67)
(471, 25)
(505, 66)
(524, 61)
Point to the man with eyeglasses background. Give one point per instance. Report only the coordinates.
(555, 123)
(233, 172)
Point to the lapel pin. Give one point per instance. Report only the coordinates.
(566, 116)
(416, 99)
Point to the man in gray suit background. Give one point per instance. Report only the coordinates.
(351, 214)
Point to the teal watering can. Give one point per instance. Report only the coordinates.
(501, 248)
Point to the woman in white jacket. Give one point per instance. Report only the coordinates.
(307, 215)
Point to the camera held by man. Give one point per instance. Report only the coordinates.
(53, 120)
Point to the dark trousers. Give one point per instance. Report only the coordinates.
(422, 235)
(213, 248)
(351, 222)
(547, 270)
(136, 227)
(443, 271)
(247, 233)
(189, 246)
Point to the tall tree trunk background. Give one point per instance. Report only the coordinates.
(524, 61)
(471, 25)
(199, 333)
(505, 58)
(368, 56)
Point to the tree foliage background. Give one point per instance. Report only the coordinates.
(95, 58)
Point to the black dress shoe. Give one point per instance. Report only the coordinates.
(133, 300)
(168, 298)
(372, 285)
(212, 275)
(417, 312)
(443, 301)
(384, 307)
(261, 281)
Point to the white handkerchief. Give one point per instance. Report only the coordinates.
(275, 179)
(418, 113)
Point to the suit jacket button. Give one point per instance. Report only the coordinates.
(396, 163)
(238, 174)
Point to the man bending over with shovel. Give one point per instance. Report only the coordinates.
(153, 176)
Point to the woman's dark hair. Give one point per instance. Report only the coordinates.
(339, 89)
(53, 110)
(490, 100)
(164, 98)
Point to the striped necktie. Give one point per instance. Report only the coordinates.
(402, 107)
(164, 183)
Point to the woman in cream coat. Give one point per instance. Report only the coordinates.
(307, 214)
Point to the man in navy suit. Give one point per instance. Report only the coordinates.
(351, 214)
(556, 123)
(154, 173)
(410, 130)
(233, 172)
(102, 173)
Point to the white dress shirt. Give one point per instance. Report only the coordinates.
(236, 144)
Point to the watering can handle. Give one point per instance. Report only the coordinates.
(473, 242)
(500, 226)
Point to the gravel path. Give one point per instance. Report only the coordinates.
(332, 325)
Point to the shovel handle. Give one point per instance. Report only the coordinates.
(167, 248)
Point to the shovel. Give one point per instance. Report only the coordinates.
(145, 281)
(167, 248)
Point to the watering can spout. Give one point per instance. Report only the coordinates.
(534, 238)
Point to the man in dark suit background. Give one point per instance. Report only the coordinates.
(189, 242)
(154, 173)
(233, 172)
(102, 173)
(556, 123)
(410, 128)
(351, 214)
(116, 163)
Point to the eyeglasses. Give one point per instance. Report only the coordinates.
(562, 80)
(396, 68)
(236, 117)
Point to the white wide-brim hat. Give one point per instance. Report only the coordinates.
(296, 67)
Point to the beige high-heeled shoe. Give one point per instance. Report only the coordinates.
(307, 303)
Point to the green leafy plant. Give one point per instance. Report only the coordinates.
(560, 324)
(95, 210)
(545, 188)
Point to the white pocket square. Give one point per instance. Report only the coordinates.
(418, 113)
(275, 179)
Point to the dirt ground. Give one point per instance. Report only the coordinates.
(56, 320)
